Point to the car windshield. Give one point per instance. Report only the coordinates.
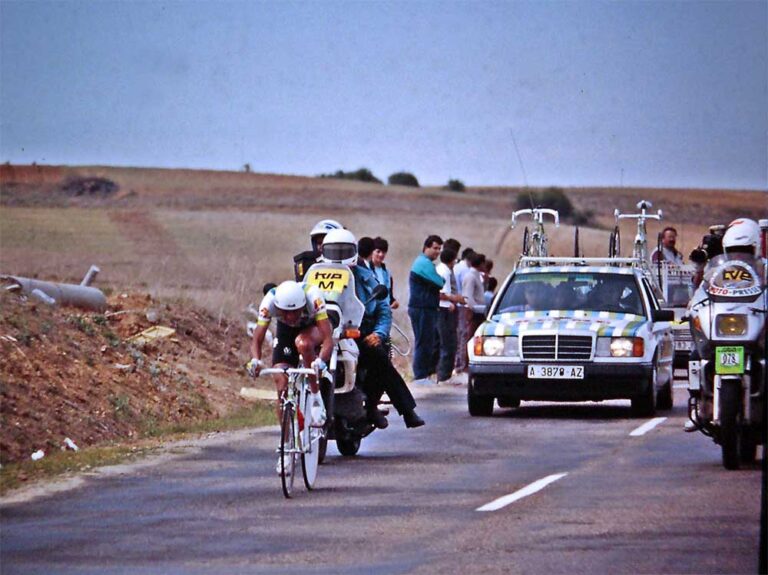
(571, 291)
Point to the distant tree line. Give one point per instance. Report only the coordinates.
(554, 198)
(397, 179)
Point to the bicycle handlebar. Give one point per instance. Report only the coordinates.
(287, 371)
(537, 214)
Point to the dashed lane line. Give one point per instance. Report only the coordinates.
(647, 426)
(534, 487)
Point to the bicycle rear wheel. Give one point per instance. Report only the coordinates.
(310, 446)
(288, 450)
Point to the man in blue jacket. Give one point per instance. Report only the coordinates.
(425, 284)
(376, 374)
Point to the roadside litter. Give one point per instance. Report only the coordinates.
(52, 293)
(151, 334)
(37, 455)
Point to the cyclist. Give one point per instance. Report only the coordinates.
(302, 328)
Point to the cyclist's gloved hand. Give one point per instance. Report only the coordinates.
(319, 365)
(254, 366)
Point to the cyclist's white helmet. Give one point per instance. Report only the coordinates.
(319, 230)
(339, 247)
(290, 296)
(742, 235)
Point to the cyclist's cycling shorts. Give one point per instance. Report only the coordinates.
(284, 345)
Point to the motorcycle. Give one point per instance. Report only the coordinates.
(347, 421)
(726, 381)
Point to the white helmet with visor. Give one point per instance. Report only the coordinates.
(339, 247)
(742, 235)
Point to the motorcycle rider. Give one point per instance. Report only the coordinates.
(303, 261)
(375, 370)
(302, 328)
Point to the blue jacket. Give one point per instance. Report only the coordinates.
(378, 315)
(424, 283)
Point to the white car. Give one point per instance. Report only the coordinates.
(573, 329)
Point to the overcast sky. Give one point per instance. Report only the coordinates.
(593, 93)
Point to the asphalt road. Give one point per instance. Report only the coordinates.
(611, 502)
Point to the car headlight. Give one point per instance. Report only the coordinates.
(496, 346)
(627, 347)
(731, 324)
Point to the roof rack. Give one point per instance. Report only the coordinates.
(564, 261)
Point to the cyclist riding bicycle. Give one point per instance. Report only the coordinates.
(302, 328)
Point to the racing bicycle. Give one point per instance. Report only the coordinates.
(298, 439)
(535, 244)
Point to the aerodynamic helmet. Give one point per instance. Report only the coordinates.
(742, 235)
(339, 247)
(290, 296)
(319, 230)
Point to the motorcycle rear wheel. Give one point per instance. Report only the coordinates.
(348, 447)
(730, 432)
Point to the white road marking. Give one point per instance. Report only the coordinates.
(497, 504)
(680, 386)
(647, 426)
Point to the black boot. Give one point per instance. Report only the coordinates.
(412, 419)
(378, 419)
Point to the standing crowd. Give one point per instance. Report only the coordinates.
(447, 303)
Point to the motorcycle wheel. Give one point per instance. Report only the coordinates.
(348, 447)
(747, 448)
(730, 436)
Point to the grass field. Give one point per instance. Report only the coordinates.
(217, 237)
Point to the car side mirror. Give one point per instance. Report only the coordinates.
(663, 315)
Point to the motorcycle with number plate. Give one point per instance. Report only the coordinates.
(347, 423)
(726, 381)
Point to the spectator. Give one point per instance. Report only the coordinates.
(380, 249)
(474, 293)
(668, 252)
(446, 319)
(425, 284)
(364, 251)
(490, 291)
(452, 244)
(459, 270)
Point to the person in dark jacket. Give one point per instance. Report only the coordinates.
(425, 284)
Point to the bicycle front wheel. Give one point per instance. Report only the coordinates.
(310, 448)
(287, 450)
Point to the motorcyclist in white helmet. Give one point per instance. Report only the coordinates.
(303, 261)
(302, 328)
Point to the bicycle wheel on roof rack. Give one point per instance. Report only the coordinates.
(576, 243)
(614, 243)
(526, 241)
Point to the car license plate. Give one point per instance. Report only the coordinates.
(729, 360)
(556, 372)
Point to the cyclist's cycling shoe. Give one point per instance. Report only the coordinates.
(279, 467)
(318, 414)
(378, 419)
(412, 419)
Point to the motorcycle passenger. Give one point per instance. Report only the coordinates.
(375, 370)
(303, 261)
(302, 328)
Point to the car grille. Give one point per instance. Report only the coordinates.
(557, 347)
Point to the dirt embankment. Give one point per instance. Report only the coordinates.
(65, 373)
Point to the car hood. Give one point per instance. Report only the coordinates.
(603, 323)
